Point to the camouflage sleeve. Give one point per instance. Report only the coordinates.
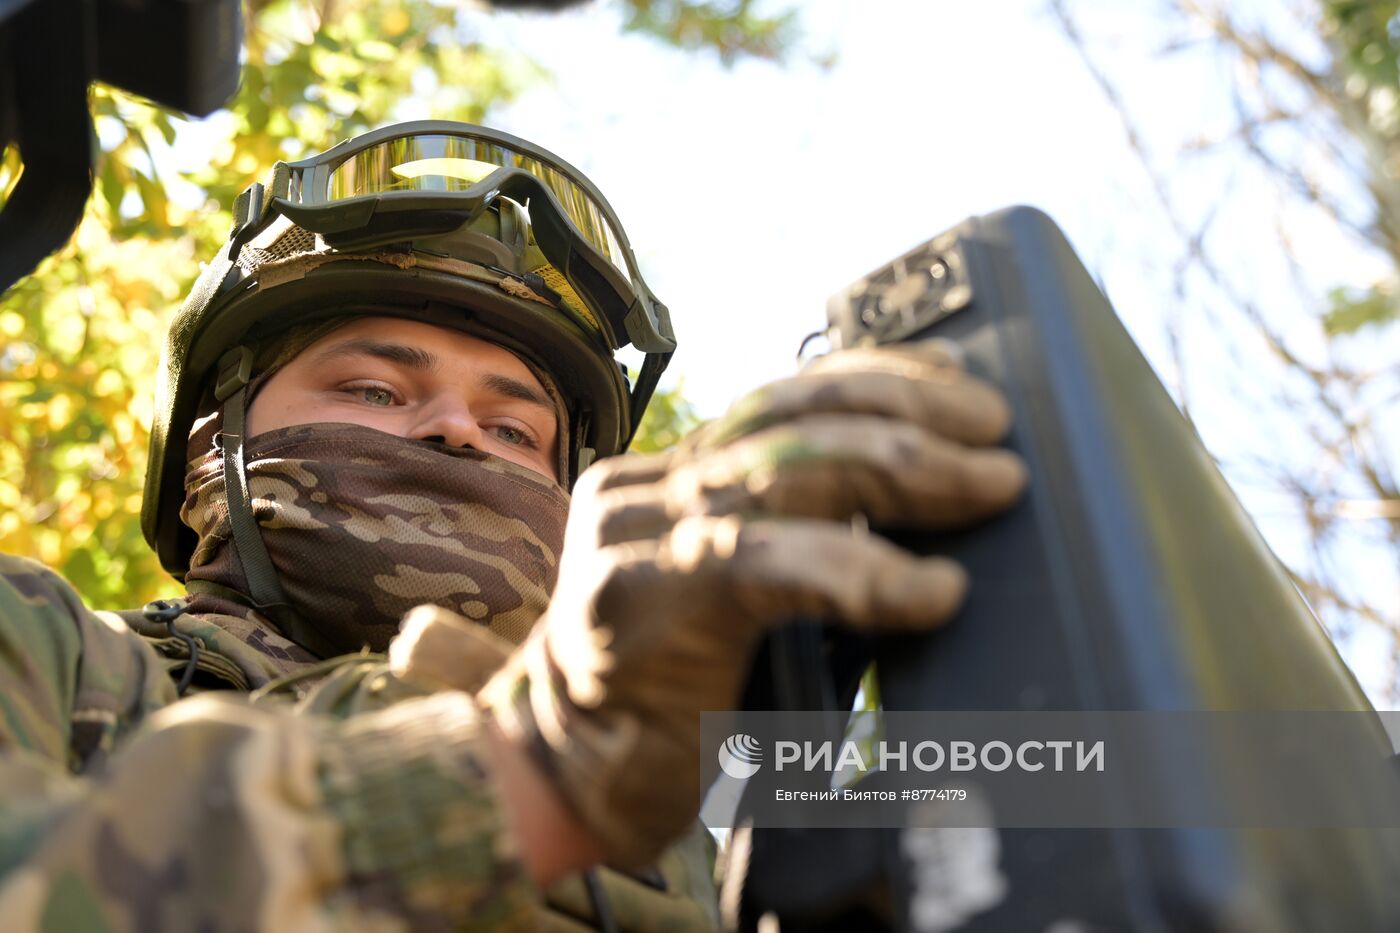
(676, 895)
(214, 814)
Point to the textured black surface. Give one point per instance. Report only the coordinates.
(1129, 578)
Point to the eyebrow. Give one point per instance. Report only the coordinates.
(411, 357)
(418, 358)
(511, 387)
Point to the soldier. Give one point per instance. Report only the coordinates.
(411, 699)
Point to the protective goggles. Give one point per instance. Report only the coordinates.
(429, 177)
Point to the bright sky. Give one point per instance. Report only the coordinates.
(752, 194)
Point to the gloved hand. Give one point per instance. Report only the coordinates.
(675, 565)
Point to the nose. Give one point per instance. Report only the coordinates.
(447, 419)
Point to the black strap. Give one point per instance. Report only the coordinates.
(166, 612)
(647, 378)
(263, 585)
(602, 907)
(264, 588)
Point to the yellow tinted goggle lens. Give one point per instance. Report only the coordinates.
(456, 163)
(469, 170)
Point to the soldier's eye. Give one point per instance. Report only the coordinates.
(376, 396)
(513, 436)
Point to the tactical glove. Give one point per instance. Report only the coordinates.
(675, 565)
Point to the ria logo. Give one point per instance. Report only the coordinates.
(740, 756)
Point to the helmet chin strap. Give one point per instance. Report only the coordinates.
(264, 588)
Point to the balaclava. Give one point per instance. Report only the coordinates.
(362, 526)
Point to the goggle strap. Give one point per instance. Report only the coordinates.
(210, 282)
(252, 207)
(249, 210)
(279, 181)
(652, 368)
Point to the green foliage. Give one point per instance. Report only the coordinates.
(668, 418)
(1350, 311)
(82, 336)
(1367, 35)
(729, 27)
(1364, 36)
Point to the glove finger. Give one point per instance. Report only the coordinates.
(632, 513)
(623, 470)
(895, 475)
(446, 650)
(836, 466)
(618, 500)
(940, 398)
(935, 352)
(777, 569)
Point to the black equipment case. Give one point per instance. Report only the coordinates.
(1129, 578)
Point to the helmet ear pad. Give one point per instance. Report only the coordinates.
(593, 387)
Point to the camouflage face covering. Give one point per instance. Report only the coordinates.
(362, 526)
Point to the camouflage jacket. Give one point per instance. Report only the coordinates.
(339, 797)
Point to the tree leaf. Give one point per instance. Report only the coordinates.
(1350, 312)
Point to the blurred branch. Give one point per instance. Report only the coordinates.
(1193, 240)
(1343, 481)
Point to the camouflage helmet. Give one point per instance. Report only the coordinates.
(446, 223)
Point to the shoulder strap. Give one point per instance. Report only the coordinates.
(264, 588)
